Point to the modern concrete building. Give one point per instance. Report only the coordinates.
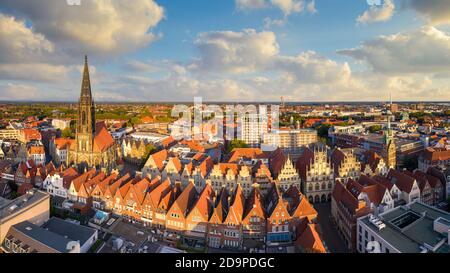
(414, 228)
(289, 141)
(55, 236)
(34, 207)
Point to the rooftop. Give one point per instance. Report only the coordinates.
(69, 230)
(45, 239)
(10, 207)
(410, 228)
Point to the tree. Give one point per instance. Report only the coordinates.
(322, 130)
(375, 128)
(236, 143)
(68, 133)
(149, 149)
(411, 163)
(134, 121)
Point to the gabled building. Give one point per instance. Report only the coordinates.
(155, 164)
(285, 173)
(262, 177)
(37, 154)
(197, 218)
(308, 238)
(345, 164)
(25, 172)
(233, 225)
(177, 213)
(373, 164)
(316, 173)
(58, 183)
(346, 208)
(216, 226)
(254, 220)
(59, 149)
(278, 217)
(299, 208)
(433, 157)
(133, 200)
(408, 186)
(150, 215)
(99, 191)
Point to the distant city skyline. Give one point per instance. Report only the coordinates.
(226, 51)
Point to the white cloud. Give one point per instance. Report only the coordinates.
(250, 4)
(287, 7)
(426, 50)
(17, 92)
(378, 13)
(235, 52)
(435, 12)
(102, 26)
(310, 67)
(19, 43)
(250, 51)
(311, 7)
(40, 72)
(269, 22)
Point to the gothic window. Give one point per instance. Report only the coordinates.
(83, 118)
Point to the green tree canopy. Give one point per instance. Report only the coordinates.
(68, 133)
(236, 143)
(375, 128)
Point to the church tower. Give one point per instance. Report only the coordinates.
(86, 119)
(391, 148)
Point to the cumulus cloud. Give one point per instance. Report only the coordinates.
(250, 51)
(103, 26)
(40, 72)
(436, 12)
(425, 50)
(25, 55)
(311, 7)
(250, 4)
(377, 13)
(235, 52)
(17, 92)
(19, 43)
(287, 7)
(310, 67)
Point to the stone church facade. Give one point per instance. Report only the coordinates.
(93, 145)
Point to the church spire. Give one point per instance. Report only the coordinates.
(86, 108)
(86, 82)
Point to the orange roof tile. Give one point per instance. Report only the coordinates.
(246, 153)
(186, 199)
(310, 240)
(103, 139)
(63, 143)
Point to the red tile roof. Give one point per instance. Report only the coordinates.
(310, 240)
(103, 139)
(401, 180)
(246, 153)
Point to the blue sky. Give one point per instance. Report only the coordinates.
(173, 50)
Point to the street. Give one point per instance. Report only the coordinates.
(333, 241)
